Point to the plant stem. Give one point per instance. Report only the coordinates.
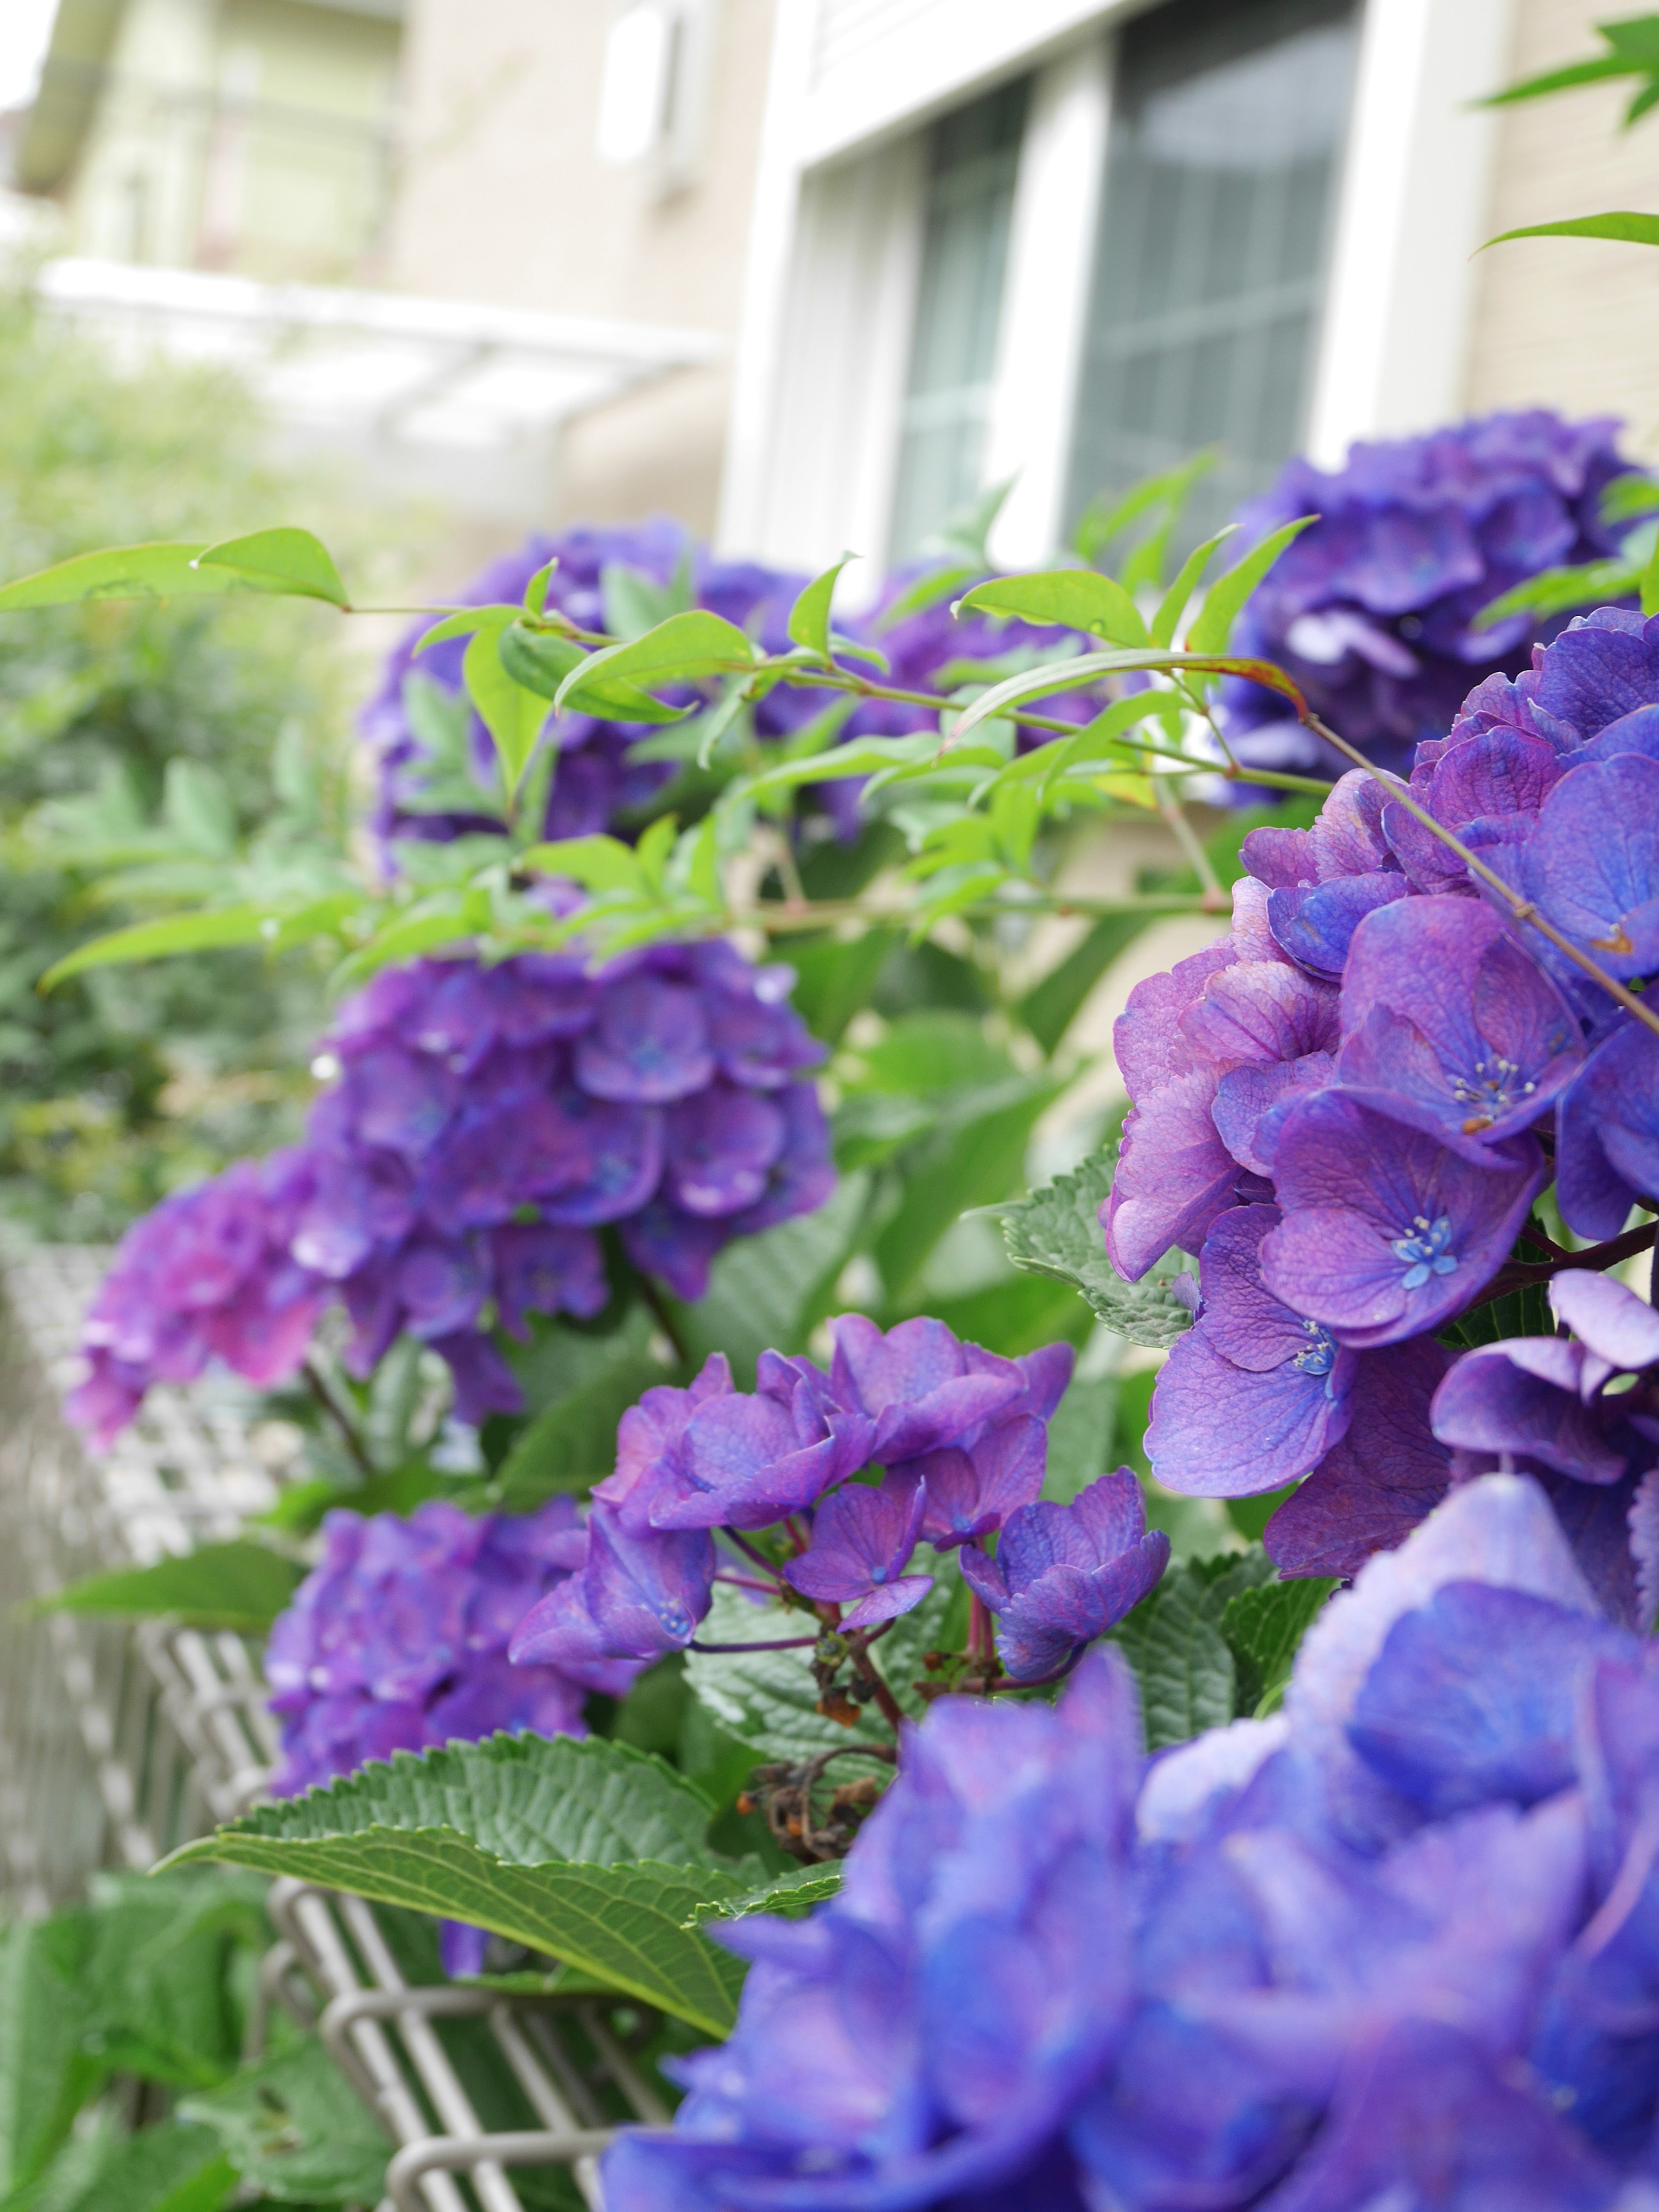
(783, 1644)
(349, 1434)
(1517, 1274)
(751, 1550)
(1523, 909)
(671, 1329)
(1214, 900)
(864, 1668)
(744, 1582)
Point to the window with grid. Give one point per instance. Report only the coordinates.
(1226, 135)
(973, 155)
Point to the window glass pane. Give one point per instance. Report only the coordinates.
(972, 157)
(1227, 128)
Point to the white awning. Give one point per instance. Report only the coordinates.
(376, 366)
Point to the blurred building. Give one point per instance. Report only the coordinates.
(811, 272)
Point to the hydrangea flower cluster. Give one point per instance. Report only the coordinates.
(1340, 1109)
(396, 1641)
(486, 1124)
(597, 787)
(1395, 1946)
(1372, 609)
(960, 1438)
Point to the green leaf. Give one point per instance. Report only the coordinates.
(791, 1895)
(537, 660)
(933, 1052)
(834, 977)
(128, 572)
(1071, 675)
(1056, 1231)
(239, 1585)
(1075, 598)
(45, 2073)
(171, 2166)
(157, 940)
(513, 716)
(1049, 1007)
(1080, 1438)
(572, 1444)
(809, 618)
(766, 1293)
(1174, 602)
(687, 648)
(1266, 1626)
(767, 1699)
(597, 863)
(634, 603)
(295, 2129)
(1106, 518)
(535, 591)
(1185, 1667)
(198, 809)
(1620, 228)
(292, 562)
(975, 1161)
(1227, 595)
(585, 1850)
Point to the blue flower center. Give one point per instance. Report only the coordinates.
(1424, 1251)
(1490, 1088)
(1318, 1356)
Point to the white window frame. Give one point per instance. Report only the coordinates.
(824, 338)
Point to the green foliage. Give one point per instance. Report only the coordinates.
(171, 2168)
(240, 1585)
(1620, 228)
(791, 1896)
(1632, 50)
(587, 1849)
(1214, 1641)
(1264, 1626)
(582, 1383)
(1056, 1231)
(293, 2128)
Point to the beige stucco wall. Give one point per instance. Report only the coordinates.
(1569, 323)
(500, 100)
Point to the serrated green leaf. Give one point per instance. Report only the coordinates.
(1267, 1625)
(586, 1849)
(809, 618)
(767, 1700)
(1621, 226)
(295, 2129)
(1227, 595)
(1056, 1231)
(241, 1586)
(159, 940)
(292, 562)
(1073, 598)
(1186, 1670)
(791, 1895)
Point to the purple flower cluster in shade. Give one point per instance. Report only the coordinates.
(1372, 609)
(597, 783)
(1396, 1945)
(597, 787)
(488, 1121)
(396, 1641)
(1339, 1108)
(960, 1436)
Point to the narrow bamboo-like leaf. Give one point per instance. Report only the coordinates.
(513, 715)
(809, 618)
(157, 940)
(237, 1585)
(535, 591)
(1071, 675)
(292, 562)
(1620, 228)
(1075, 598)
(466, 621)
(1552, 590)
(687, 648)
(1562, 80)
(1056, 1231)
(1227, 595)
(601, 863)
(162, 571)
(588, 1850)
(538, 660)
(1173, 604)
(719, 720)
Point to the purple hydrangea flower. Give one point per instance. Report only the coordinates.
(862, 1539)
(1065, 1574)
(1255, 1394)
(209, 1275)
(635, 1599)
(397, 1639)
(486, 1122)
(1372, 609)
(1396, 1943)
(1387, 1232)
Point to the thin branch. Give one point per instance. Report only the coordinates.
(349, 1434)
(1214, 900)
(783, 1644)
(1523, 909)
(1518, 1274)
(867, 1677)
